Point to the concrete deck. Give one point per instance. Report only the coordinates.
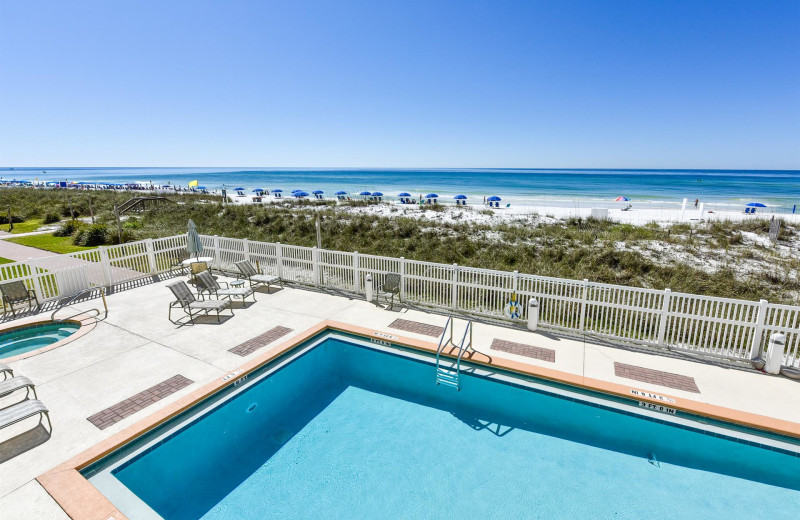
(136, 347)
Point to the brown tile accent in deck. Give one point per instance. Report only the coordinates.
(656, 377)
(545, 354)
(114, 414)
(415, 326)
(262, 340)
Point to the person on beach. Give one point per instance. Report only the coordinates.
(696, 202)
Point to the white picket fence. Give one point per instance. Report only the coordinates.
(721, 327)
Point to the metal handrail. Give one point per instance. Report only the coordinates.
(462, 348)
(72, 300)
(449, 325)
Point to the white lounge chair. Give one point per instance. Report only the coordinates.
(207, 284)
(254, 277)
(191, 305)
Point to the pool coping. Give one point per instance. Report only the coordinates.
(87, 323)
(82, 501)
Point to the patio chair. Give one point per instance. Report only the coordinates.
(196, 268)
(16, 292)
(6, 370)
(9, 386)
(390, 288)
(177, 262)
(254, 277)
(22, 410)
(191, 305)
(207, 284)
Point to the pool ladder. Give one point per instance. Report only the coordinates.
(449, 375)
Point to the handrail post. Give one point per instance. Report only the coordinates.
(315, 264)
(106, 266)
(662, 324)
(454, 295)
(584, 296)
(279, 259)
(217, 252)
(402, 278)
(356, 273)
(758, 331)
(151, 255)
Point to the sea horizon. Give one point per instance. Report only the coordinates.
(779, 188)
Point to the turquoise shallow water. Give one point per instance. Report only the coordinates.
(27, 339)
(776, 188)
(346, 432)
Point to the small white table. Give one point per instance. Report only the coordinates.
(236, 283)
(193, 260)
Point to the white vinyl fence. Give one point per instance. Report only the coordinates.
(722, 327)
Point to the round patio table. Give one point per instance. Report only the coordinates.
(193, 260)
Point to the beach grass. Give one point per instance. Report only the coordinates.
(26, 227)
(48, 242)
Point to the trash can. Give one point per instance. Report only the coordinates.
(774, 356)
(368, 287)
(533, 314)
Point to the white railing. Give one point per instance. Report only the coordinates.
(722, 327)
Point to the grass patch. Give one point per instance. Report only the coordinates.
(26, 227)
(6, 261)
(49, 242)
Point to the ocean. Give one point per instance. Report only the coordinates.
(777, 189)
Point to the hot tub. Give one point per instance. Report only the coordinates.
(24, 339)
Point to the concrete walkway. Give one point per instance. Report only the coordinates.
(137, 348)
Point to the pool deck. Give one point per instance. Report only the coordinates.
(136, 363)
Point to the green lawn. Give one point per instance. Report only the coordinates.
(49, 242)
(25, 227)
(5, 260)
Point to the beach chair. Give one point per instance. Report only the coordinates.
(6, 370)
(9, 386)
(177, 263)
(207, 284)
(390, 288)
(254, 277)
(196, 268)
(191, 305)
(14, 293)
(23, 410)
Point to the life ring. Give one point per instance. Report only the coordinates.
(513, 309)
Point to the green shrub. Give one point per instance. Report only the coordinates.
(51, 218)
(67, 229)
(94, 235)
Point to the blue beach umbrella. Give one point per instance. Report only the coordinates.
(277, 190)
(622, 198)
(377, 194)
(757, 205)
(460, 197)
(317, 192)
(258, 190)
(365, 193)
(431, 196)
(300, 194)
(404, 194)
(201, 187)
(340, 192)
(238, 189)
(494, 198)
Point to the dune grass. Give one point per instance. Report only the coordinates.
(49, 242)
(25, 227)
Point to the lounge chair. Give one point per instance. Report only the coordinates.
(9, 386)
(191, 305)
(196, 268)
(22, 410)
(6, 370)
(207, 284)
(390, 287)
(177, 262)
(16, 292)
(254, 277)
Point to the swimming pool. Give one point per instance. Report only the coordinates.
(342, 427)
(24, 339)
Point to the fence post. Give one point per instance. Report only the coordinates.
(662, 324)
(584, 296)
(454, 296)
(402, 278)
(356, 273)
(246, 249)
(217, 253)
(515, 287)
(108, 281)
(279, 259)
(151, 255)
(315, 264)
(758, 331)
(37, 286)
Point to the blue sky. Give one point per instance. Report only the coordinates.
(431, 83)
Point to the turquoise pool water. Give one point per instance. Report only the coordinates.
(25, 339)
(346, 431)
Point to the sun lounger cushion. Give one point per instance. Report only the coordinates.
(15, 383)
(23, 410)
(210, 304)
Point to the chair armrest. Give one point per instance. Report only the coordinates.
(227, 285)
